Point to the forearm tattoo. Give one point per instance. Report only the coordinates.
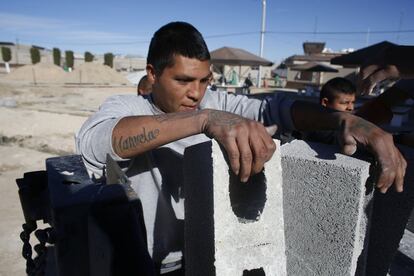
(131, 142)
(219, 118)
(363, 126)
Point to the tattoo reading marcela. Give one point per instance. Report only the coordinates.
(130, 142)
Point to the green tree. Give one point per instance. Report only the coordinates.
(35, 55)
(109, 59)
(69, 58)
(88, 57)
(56, 56)
(6, 55)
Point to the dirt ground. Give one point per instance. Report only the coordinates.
(36, 122)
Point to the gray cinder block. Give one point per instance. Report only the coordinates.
(232, 228)
(325, 209)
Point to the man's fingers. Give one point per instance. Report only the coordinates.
(248, 144)
(246, 158)
(349, 149)
(384, 182)
(271, 130)
(400, 173)
(262, 146)
(399, 184)
(233, 155)
(392, 173)
(347, 142)
(368, 81)
(368, 84)
(262, 152)
(367, 71)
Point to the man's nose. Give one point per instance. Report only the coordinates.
(195, 90)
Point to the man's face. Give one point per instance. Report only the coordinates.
(342, 102)
(180, 87)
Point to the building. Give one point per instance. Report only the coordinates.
(314, 68)
(21, 56)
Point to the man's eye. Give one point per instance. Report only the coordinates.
(182, 81)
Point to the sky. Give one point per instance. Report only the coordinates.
(126, 26)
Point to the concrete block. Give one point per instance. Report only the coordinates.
(325, 209)
(232, 228)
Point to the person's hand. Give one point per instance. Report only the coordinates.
(248, 143)
(391, 63)
(373, 74)
(355, 130)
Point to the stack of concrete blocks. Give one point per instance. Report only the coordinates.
(232, 228)
(326, 209)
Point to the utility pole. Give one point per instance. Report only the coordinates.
(17, 51)
(367, 38)
(262, 32)
(399, 26)
(315, 28)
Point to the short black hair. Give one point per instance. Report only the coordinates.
(142, 80)
(176, 38)
(336, 86)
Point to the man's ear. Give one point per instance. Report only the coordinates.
(324, 102)
(150, 73)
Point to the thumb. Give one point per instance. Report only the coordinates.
(349, 149)
(346, 141)
(271, 130)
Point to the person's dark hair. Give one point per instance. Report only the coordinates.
(176, 38)
(336, 86)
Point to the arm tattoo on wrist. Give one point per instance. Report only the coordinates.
(131, 142)
(220, 118)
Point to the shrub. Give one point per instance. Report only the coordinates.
(109, 59)
(6, 54)
(69, 58)
(56, 56)
(88, 57)
(35, 55)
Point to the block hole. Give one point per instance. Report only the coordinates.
(254, 272)
(248, 199)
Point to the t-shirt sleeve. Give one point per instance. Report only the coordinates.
(276, 109)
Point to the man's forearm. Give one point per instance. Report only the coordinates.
(307, 116)
(137, 134)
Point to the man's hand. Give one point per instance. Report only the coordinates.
(373, 74)
(355, 130)
(391, 63)
(248, 143)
